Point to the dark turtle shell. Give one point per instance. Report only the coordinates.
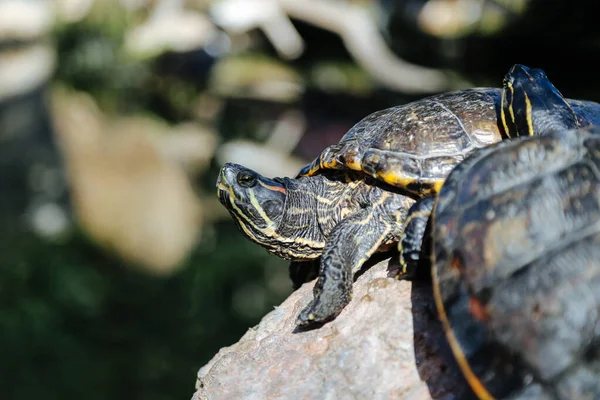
(516, 266)
(415, 146)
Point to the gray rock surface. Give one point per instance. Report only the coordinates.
(386, 344)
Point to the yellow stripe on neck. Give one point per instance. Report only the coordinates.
(528, 114)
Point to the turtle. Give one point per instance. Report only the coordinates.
(413, 147)
(514, 246)
(354, 199)
(513, 242)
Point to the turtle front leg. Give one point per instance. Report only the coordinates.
(349, 245)
(411, 241)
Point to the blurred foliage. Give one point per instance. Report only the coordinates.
(75, 323)
(78, 321)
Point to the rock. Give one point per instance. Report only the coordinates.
(386, 344)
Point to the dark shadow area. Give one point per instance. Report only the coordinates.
(435, 362)
(440, 371)
(311, 327)
(375, 259)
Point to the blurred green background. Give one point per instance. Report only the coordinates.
(120, 274)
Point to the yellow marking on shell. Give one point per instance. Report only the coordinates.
(475, 383)
(512, 101)
(436, 186)
(314, 168)
(395, 179)
(328, 164)
(528, 114)
(503, 115)
(424, 187)
(354, 164)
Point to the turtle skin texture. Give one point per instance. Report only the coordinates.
(328, 226)
(516, 266)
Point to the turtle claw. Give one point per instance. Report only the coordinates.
(306, 317)
(315, 313)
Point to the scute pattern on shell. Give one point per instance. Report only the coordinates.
(444, 125)
(517, 263)
(414, 146)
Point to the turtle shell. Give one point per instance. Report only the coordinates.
(414, 146)
(516, 266)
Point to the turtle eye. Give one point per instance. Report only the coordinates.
(246, 179)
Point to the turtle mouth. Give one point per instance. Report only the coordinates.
(224, 189)
(222, 194)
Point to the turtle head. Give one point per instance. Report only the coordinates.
(280, 214)
(256, 203)
(531, 105)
